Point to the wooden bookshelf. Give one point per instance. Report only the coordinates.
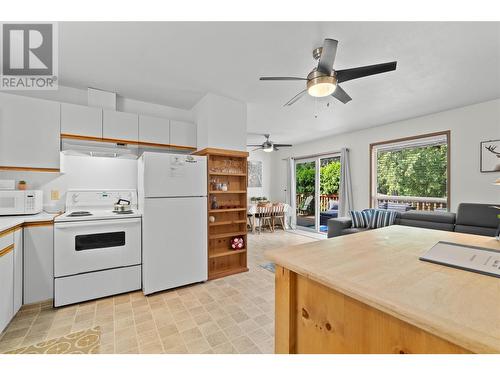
(230, 168)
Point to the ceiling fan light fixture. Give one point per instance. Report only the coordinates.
(268, 149)
(321, 86)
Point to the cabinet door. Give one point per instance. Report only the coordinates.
(29, 132)
(182, 133)
(154, 130)
(6, 286)
(81, 120)
(120, 125)
(38, 263)
(18, 270)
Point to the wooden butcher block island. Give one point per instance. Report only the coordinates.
(369, 293)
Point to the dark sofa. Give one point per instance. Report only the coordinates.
(473, 218)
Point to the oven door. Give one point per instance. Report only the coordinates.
(86, 246)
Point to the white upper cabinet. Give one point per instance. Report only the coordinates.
(81, 120)
(120, 125)
(182, 133)
(29, 132)
(154, 130)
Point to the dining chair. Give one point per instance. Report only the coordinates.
(279, 215)
(265, 216)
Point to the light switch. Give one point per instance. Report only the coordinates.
(54, 195)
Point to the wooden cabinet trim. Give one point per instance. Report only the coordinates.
(6, 250)
(112, 140)
(10, 230)
(38, 223)
(29, 169)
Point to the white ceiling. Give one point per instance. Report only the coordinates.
(440, 66)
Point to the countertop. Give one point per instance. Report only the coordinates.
(381, 269)
(7, 222)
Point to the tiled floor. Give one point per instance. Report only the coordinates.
(230, 315)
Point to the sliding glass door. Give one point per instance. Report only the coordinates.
(305, 187)
(317, 181)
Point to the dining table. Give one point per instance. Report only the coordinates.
(252, 210)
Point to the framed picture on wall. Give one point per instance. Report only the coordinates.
(490, 156)
(254, 174)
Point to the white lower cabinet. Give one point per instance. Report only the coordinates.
(6, 280)
(18, 269)
(38, 263)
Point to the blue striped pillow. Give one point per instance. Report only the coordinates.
(382, 218)
(360, 219)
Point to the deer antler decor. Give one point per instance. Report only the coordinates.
(492, 149)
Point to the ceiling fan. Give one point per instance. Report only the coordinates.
(269, 146)
(323, 80)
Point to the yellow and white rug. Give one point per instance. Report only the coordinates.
(81, 342)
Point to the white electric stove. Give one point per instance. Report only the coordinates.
(97, 252)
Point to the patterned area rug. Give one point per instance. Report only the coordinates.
(81, 342)
(269, 266)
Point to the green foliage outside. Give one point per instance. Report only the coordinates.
(329, 177)
(417, 172)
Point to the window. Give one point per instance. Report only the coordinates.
(411, 173)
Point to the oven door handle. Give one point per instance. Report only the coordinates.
(96, 223)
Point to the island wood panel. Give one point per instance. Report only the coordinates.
(380, 269)
(314, 319)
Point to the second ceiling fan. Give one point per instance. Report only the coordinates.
(323, 80)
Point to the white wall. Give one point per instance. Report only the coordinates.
(221, 123)
(265, 190)
(80, 172)
(469, 126)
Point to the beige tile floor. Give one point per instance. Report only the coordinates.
(230, 315)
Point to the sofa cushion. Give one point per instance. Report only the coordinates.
(425, 224)
(482, 231)
(477, 215)
(354, 230)
(428, 216)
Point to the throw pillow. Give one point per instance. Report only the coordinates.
(401, 207)
(382, 218)
(360, 219)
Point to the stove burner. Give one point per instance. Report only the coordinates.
(123, 212)
(79, 213)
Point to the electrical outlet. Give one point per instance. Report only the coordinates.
(54, 195)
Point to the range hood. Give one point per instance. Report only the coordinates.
(99, 149)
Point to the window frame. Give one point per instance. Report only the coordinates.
(373, 175)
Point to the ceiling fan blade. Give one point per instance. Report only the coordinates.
(258, 148)
(327, 57)
(282, 79)
(295, 98)
(341, 95)
(282, 145)
(254, 145)
(363, 71)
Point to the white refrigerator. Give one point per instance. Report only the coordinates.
(173, 199)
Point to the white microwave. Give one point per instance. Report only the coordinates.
(21, 202)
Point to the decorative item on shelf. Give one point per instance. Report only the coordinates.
(211, 219)
(214, 205)
(21, 185)
(224, 187)
(237, 243)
